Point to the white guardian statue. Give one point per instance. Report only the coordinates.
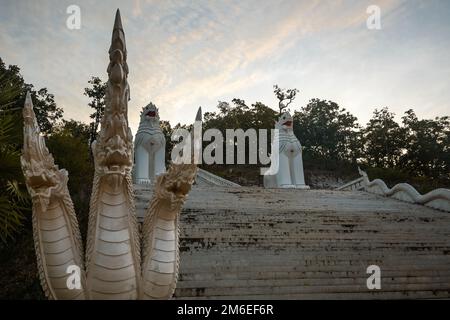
(286, 169)
(149, 146)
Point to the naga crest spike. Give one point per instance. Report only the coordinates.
(117, 263)
(42, 176)
(198, 117)
(114, 148)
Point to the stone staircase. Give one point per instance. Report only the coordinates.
(254, 243)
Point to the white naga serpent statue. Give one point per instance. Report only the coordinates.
(119, 263)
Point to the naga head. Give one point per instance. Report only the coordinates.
(113, 150)
(43, 178)
(150, 115)
(285, 122)
(362, 173)
(175, 184)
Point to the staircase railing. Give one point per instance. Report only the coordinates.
(356, 184)
(213, 179)
(437, 199)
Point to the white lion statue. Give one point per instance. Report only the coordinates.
(286, 168)
(149, 146)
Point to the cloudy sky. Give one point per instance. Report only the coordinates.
(185, 54)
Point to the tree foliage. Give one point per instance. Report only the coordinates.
(332, 138)
(70, 148)
(45, 108)
(426, 146)
(384, 140)
(167, 130)
(96, 92)
(285, 97)
(328, 132)
(13, 195)
(14, 199)
(240, 115)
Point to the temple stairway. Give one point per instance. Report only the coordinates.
(250, 242)
(206, 178)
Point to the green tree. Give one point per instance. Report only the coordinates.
(167, 131)
(285, 97)
(96, 92)
(327, 131)
(70, 149)
(14, 199)
(239, 115)
(263, 117)
(427, 146)
(14, 202)
(229, 116)
(75, 129)
(384, 140)
(45, 108)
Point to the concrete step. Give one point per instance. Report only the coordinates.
(197, 275)
(305, 289)
(326, 267)
(386, 282)
(374, 294)
(252, 257)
